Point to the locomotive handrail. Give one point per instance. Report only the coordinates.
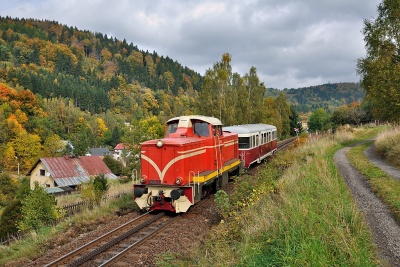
(192, 176)
(193, 183)
(134, 175)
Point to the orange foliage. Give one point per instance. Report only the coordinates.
(13, 124)
(6, 92)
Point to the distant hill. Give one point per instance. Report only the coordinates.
(328, 96)
(55, 60)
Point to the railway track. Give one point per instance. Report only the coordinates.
(284, 144)
(121, 245)
(113, 246)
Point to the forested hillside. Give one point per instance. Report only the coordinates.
(65, 90)
(328, 96)
(55, 60)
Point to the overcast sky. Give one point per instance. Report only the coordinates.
(291, 43)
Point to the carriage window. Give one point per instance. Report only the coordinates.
(201, 128)
(244, 142)
(172, 127)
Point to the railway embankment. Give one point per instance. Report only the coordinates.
(310, 217)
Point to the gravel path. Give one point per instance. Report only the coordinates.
(385, 229)
(371, 154)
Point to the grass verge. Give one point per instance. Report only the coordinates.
(300, 213)
(23, 251)
(383, 185)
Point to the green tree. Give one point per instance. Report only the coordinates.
(101, 186)
(216, 94)
(38, 209)
(12, 215)
(255, 95)
(284, 110)
(295, 122)
(319, 120)
(8, 188)
(10, 218)
(114, 165)
(380, 69)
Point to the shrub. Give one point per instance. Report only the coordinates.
(39, 209)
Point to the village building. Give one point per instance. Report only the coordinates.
(67, 171)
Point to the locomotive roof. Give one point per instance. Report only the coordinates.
(248, 128)
(211, 120)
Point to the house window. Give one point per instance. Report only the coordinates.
(42, 172)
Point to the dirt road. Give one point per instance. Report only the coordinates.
(385, 229)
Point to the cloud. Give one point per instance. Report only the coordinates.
(291, 43)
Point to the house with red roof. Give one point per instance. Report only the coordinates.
(67, 171)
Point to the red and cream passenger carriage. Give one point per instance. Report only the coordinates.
(193, 159)
(256, 141)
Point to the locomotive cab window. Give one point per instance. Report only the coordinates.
(172, 127)
(201, 128)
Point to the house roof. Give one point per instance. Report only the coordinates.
(121, 146)
(68, 171)
(99, 151)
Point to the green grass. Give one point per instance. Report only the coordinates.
(307, 219)
(386, 187)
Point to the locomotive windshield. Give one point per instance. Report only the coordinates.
(172, 127)
(201, 128)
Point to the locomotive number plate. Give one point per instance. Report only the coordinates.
(154, 182)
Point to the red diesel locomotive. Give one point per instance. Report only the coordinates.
(193, 159)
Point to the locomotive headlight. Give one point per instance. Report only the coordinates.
(160, 143)
(143, 179)
(178, 180)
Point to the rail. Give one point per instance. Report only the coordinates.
(66, 259)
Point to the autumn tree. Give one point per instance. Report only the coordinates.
(380, 69)
(284, 110)
(271, 114)
(319, 120)
(23, 150)
(82, 137)
(255, 95)
(53, 146)
(213, 96)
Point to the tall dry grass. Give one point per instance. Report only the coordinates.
(304, 215)
(388, 145)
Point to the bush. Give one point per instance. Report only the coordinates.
(39, 209)
(94, 190)
(114, 165)
(10, 218)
